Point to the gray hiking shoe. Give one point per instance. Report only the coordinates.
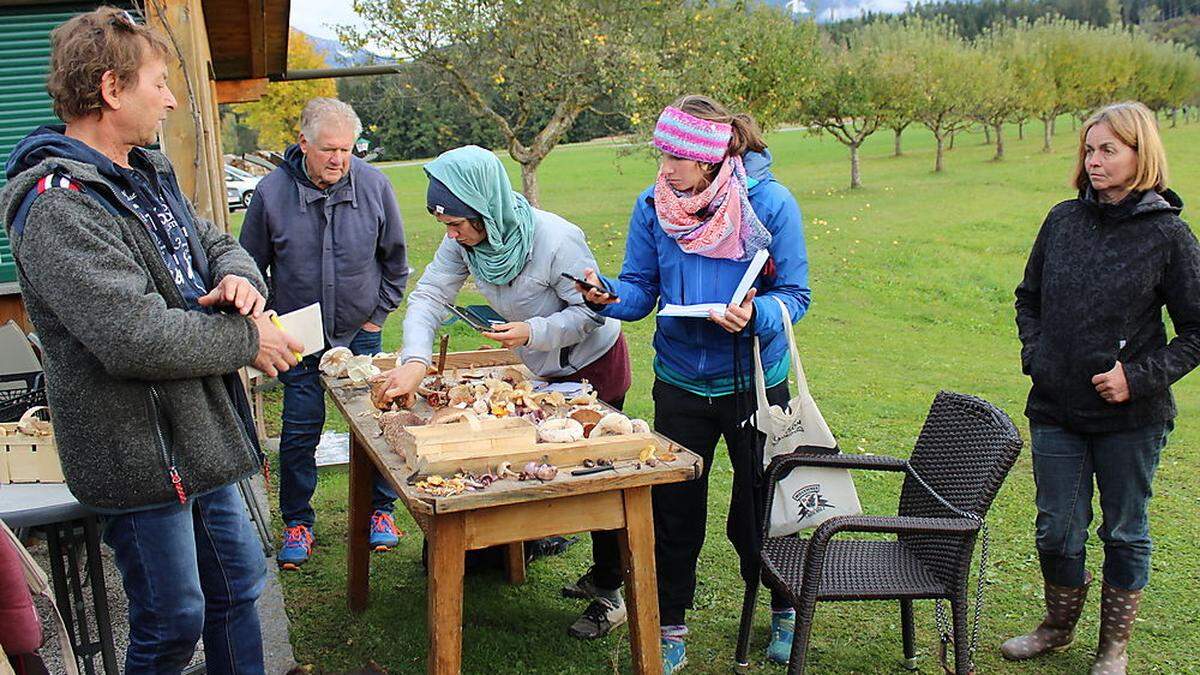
(584, 588)
(599, 619)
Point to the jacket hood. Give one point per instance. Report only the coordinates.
(758, 165)
(1134, 204)
(50, 142)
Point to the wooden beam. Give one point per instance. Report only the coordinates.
(191, 134)
(241, 91)
(258, 37)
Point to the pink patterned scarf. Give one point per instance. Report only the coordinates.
(715, 223)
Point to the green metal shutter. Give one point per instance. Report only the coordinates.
(24, 104)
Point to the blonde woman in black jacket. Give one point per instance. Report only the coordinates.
(1089, 313)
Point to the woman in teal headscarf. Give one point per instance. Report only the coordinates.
(517, 255)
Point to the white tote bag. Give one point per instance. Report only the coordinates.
(808, 496)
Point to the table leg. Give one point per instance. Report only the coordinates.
(444, 594)
(108, 654)
(514, 562)
(358, 558)
(641, 584)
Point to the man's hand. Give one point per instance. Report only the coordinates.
(276, 349)
(591, 295)
(736, 316)
(512, 334)
(1112, 386)
(403, 380)
(371, 328)
(237, 292)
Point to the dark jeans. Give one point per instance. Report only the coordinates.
(1123, 464)
(681, 509)
(190, 570)
(303, 419)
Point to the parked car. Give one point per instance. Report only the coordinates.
(239, 186)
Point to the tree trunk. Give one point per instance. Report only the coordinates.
(1054, 126)
(952, 135)
(937, 166)
(529, 182)
(897, 132)
(987, 135)
(1048, 130)
(1174, 117)
(1021, 130)
(999, 142)
(855, 179)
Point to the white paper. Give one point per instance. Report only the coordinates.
(700, 311)
(305, 325)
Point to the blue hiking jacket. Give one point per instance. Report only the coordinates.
(656, 271)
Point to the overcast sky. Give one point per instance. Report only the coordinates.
(318, 17)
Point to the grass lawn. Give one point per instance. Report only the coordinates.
(912, 280)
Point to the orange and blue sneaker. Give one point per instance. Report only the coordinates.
(297, 547)
(384, 535)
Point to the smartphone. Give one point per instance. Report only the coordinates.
(486, 314)
(469, 318)
(592, 286)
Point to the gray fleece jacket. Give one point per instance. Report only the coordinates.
(135, 381)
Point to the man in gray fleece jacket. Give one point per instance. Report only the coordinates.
(145, 313)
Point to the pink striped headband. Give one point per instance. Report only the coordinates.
(689, 137)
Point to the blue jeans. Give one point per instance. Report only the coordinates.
(1123, 464)
(303, 419)
(190, 570)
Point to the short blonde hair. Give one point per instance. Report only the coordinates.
(1135, 125)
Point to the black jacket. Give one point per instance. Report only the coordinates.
(1094, 288)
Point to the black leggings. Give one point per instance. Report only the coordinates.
(681, 509)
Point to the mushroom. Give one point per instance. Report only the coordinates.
(565, 430)
(360, 369)
(640, 426)
(334, 361)
(588, 418)
(505, 471)
(612, 424)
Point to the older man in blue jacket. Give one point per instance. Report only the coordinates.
(325, 227)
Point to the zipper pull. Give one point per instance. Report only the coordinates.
(178, 483)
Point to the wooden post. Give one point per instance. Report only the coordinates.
(191, 134)
(641, 585)
(444, 595)
(514, 562)
(358, 558)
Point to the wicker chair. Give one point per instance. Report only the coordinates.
(961, 458)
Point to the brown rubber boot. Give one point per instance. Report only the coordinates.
(1063, 607)
(1118, 609)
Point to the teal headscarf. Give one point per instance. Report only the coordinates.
(477, 177)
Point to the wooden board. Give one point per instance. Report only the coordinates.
(476, 358)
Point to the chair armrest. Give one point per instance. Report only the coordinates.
(819, 543)
(785, 463)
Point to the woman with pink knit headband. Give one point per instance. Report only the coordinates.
(692, 237)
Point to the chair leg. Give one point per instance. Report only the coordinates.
(804, 619)
(906, 625)
(962, 638)
(742, 656)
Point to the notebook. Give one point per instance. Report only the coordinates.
(700, 311)
(304, 324)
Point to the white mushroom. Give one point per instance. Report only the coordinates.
(565, 430)
(612, 424)
(640, 426)
(360, 369)
(334, 361)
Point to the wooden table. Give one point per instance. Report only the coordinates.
(508, 512)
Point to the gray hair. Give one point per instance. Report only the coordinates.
(320, 111)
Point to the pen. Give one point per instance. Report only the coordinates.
(275, 320)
